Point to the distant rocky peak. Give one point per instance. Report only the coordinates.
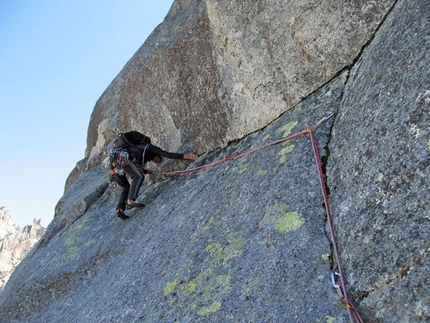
(5, 217)
(15, 243)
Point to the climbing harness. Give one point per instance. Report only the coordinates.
(338, 279)
(118, 159)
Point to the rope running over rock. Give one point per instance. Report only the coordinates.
(340, 286)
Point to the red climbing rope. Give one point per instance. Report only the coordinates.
(204, 167)
(340, 286)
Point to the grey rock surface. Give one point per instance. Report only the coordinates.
(241, 242)
(215, 71)
(247, 240)
(379, 169)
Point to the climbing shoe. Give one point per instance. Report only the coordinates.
(133, 205)
(122, 215)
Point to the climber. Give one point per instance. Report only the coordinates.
(132, 150)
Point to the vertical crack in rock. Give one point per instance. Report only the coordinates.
(377, 183)
(324, 163)
(326, 148)
(367, 44)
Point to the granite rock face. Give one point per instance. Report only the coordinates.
(379, 169)
(247, 240)
(234, 243)
(215, 71)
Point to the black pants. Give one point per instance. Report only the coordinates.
(128, 191)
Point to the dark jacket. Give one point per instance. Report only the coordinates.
(140, 148)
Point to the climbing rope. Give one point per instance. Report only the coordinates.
(338, 284)
(211, 165)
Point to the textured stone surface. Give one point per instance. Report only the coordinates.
(215, 71)
(247, 241)
(235, 243)
(379, 169)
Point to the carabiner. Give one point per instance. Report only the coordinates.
(329, 115)
(333, 279)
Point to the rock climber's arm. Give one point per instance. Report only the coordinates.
(160, 152)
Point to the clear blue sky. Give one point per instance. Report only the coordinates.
(56, 59)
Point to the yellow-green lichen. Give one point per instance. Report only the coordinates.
(420, 309)
(186, 265)
(261, 172)
(283, 221)
(325, 256)
(216, 250)
(91, 242)
(380, 177)
(202, 293)
(72, 253)
(222, 255)
(210, 309)
(288, 128)
(168, 289)
(81, 225)
(249, 285)
(330, 319)
(208, 225)
(289, 221)
(73, 236)
(234, 249)
(242, 169)
(283, 153)
(72, 239)
(191, 287)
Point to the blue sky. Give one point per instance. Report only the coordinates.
(56, 59)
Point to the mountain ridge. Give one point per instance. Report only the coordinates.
(15, 243)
